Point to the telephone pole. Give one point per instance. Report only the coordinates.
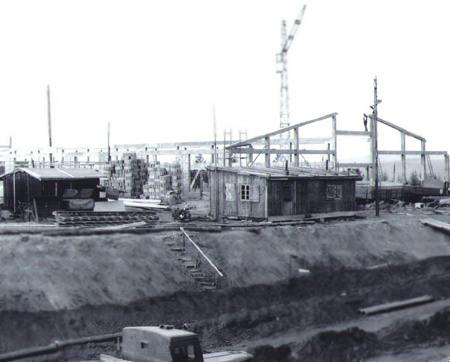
(49, 116)
(109, 146)
(376, 101)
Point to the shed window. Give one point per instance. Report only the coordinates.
(245, 192)
(334, 192)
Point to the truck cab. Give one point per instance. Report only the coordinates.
(167, 344)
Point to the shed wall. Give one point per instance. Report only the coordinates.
(226, 188)
(290, 197)
(45, 192)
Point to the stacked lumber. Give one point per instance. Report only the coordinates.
(95, 219)
(162, 179)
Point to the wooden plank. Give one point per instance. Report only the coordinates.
(202, 253)
(436, 224)
(107, 358)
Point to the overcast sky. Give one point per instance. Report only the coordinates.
(154, 68)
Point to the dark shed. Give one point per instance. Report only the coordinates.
(47, 186)
(261, 193)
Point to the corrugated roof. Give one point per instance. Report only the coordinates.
(58, 173)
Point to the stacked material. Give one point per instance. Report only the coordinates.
(86, 218)
(162, 179)
(128, 175)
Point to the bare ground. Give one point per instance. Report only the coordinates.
(56, 287)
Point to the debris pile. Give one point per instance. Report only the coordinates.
(352, 344)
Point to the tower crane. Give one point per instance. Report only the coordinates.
(286, 42)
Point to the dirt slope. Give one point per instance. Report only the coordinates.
(54, 272)
(249, 257)
(51, 273)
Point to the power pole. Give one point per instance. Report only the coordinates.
(109, 146)
(49, 115)
(376, 101)
(215, 135)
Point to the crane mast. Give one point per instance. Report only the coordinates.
(286, 42)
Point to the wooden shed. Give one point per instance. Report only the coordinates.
(47, 187)
(262, 193)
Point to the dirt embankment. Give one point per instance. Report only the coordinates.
(262, 256)
(52, 273)
(228, 317)
(63, 287)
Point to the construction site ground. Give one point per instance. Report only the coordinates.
(56, 287)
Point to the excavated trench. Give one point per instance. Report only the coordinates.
(228, 317)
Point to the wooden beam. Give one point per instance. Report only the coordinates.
(400, 129)
(403, 157)
(352, 133)
(446, 168)
(266, 151)
(412, 153)
(354, 164)
(423, 159)
(334, 135)
(284, 151)
(297, 147)
(280, 131)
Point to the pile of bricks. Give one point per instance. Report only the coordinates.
(162, 179)
(128, 175)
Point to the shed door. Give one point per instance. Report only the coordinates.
(287, 198)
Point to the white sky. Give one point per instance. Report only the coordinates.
(154, 68)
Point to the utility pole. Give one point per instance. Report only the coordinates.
(109, 146)
(49, 115)
(376, 101)
(215, 135)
